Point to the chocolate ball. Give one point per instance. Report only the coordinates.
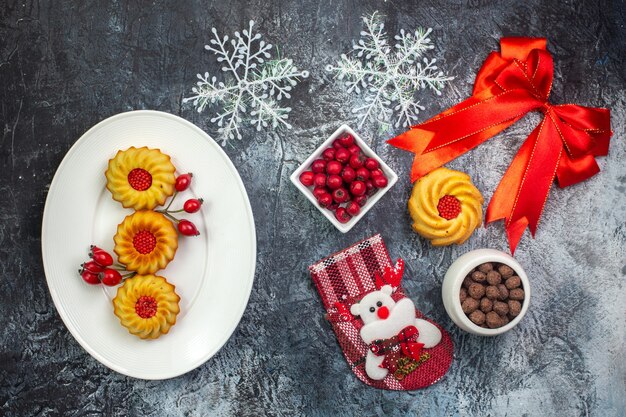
(505, 320)
(462, 295)
(467, 281)
(486, 267)
(493, 320)
(492, 292)
(501, 308)
(476, 291)
(479, 276)
(513, 282)
(486, 305)
(516, 294)
(515, 307)
(477, 317)
(469, 305)
(503, 292)
(494, 277)
(505, 270)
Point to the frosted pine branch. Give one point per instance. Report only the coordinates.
(389, 76)
(254, 84)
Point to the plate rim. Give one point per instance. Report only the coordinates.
(53, 293)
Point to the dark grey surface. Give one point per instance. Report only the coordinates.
(64, 66)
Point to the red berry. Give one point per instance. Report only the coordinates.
(92, 267)
(337, 144)
(340, 195)
(329, 154)
(193, 205)
(325, 200)
(110, 277)
(369, 185)
(146, 307)
(187, 228)
(371, 164)
(342, 155)
(90, 277)
(306, 178)
(346, 140)
(357, 188)
(144, 241)
(318, 191)
(380, 181)
(334, 206)
(102, 258)
(318, 166)
(94, 248)
(360, 200)
(348, 174)
(183, 182)
(353, 208)
(334, 181)
(140, 179)
(362, 174)
(449, 207)
(342, 215)
(354, 149)
(357, 161)
(319, 180)
(333, 167)
(376, 173)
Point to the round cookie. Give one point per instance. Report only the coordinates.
(147, 306)
(445, 207)
(145, 242)
(140, 178)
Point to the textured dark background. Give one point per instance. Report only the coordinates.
(65, 66)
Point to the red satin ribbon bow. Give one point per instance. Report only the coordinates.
(511, 83)
(405, 341)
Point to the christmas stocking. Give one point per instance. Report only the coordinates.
(386, 341)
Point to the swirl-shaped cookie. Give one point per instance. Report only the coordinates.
(445, 207)
(145, 242)
(140, 178)
(147, 306)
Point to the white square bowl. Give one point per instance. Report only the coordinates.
(367, 151)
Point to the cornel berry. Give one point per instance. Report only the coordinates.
(343, 178)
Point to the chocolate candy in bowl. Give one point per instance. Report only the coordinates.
(486, 292)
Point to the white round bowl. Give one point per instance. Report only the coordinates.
(454, 279)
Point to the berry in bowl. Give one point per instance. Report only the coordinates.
(344, 178)
(486, 292)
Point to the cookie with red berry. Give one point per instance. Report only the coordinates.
(140, 178)
(445, 207)
(145, 242)
(147, 306)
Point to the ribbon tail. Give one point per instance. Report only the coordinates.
(416, 140)
(502, 201)
(523, 191)
(461, 128)
(418, 137)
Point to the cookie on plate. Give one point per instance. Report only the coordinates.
(147, 306)
(145, 242)
(141, 178)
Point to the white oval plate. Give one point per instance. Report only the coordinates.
(213, 273)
